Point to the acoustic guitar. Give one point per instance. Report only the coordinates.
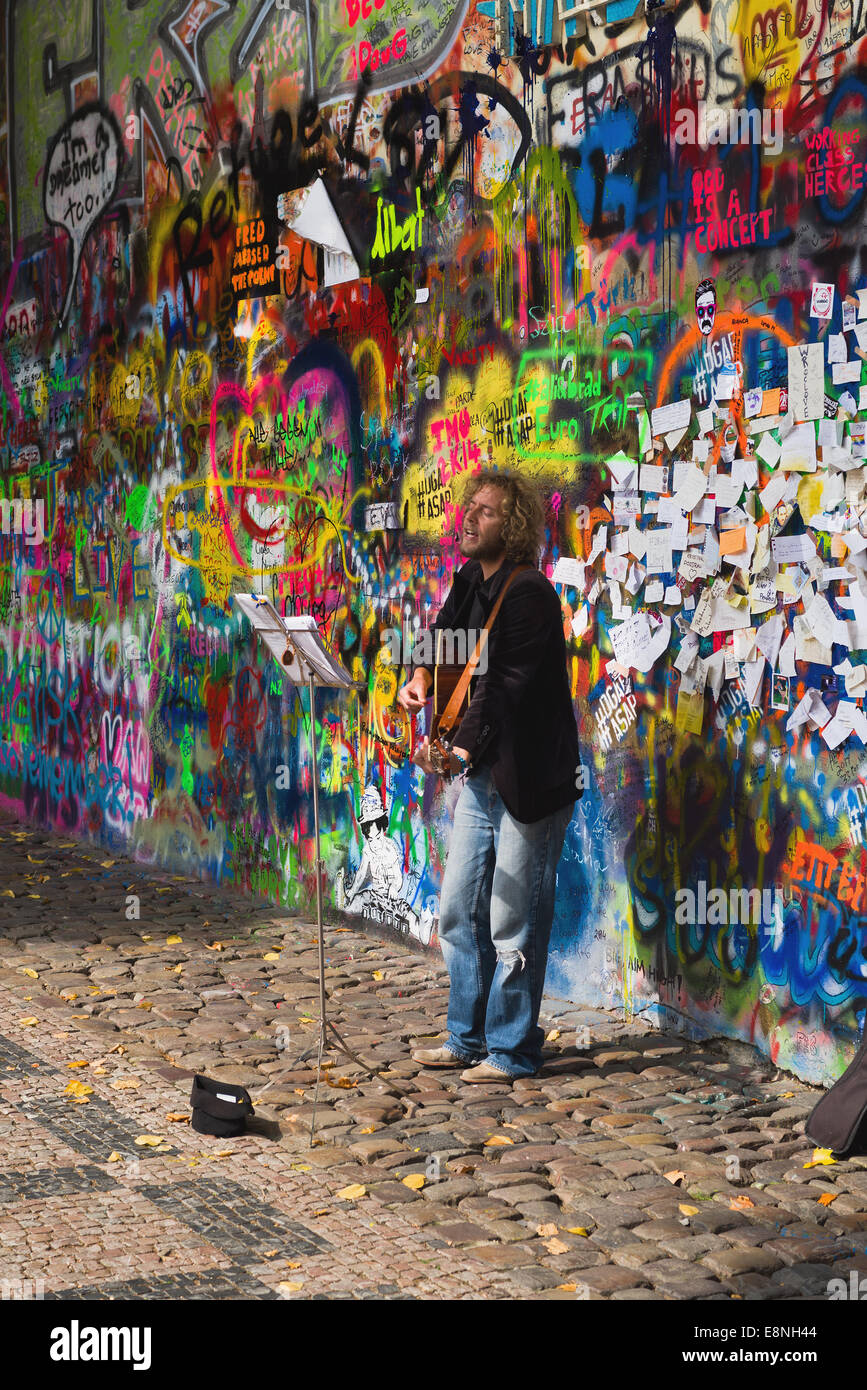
(451, 689)
(446, 677)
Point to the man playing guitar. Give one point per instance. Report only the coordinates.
(517, 745)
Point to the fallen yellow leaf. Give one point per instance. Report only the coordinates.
(149, 1141)
(223, 1153)
(293, 1264)
(351, 1193)
(344, 1082)
(290, 1285)
(301, 1168)
(25, 970)
(107, 863)
(568, 1288)
(368, 1129)
(114, 1157)
(553, 1035)
(178, 1116)
(78, 1088)
(217, 946)
(827, 1198)
(688, 1211)
(741, 1203)
(80, 1100)
(556, 1247)
(675, 1176)
(497, 1140)
(7, 893)
(578, 1230)
(378, 975)
(69, 994)
(271, 955)
(77, 1064)
(414, 1181)
(28, 1022)
(821, 1157)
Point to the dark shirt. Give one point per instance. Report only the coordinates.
(520, 721)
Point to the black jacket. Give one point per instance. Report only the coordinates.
(520, 720)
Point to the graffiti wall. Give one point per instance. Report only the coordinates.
(275, 277)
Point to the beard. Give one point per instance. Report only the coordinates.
(477, 549)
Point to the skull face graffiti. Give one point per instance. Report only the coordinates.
(705, 305)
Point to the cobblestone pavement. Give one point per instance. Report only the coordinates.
(636, 1166)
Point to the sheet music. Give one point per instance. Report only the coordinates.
(301, 635)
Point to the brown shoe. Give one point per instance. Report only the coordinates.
(438, 1057)
(486, 1071)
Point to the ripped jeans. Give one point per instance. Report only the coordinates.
(496, 910)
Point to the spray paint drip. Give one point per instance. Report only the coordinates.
(657, 57)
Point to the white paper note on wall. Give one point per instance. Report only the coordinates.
(807, 381)
(675, 416)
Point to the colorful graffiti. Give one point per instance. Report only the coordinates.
(275, 278)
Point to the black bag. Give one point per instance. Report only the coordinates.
(834, 1123)
(219, 1108)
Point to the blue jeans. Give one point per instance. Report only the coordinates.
(496, 910)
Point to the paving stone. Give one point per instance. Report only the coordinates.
(803, 1279)
(486, 1208)
(461, 1233)
(615, 1240)
(730, 1262)
(450, 1191)
(654, 1230)
(748, 1236)
(635, 1296)
(493, 1178)
(509, 1232)
(368, 1150)
(608, 1278)
(536, 1279)
(499, 1256)
(392, 1193)
(524, 1192)
(799, 1250)
(753, 1287)
(688, 1247)
(540, 1212)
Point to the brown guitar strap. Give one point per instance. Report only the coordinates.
(450, 713)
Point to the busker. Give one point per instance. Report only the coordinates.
(517, 749)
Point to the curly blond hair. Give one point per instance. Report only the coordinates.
(523, 513)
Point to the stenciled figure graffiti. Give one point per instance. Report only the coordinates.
(375, 891)
(705, 306)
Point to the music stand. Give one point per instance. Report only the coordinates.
(298, 648)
